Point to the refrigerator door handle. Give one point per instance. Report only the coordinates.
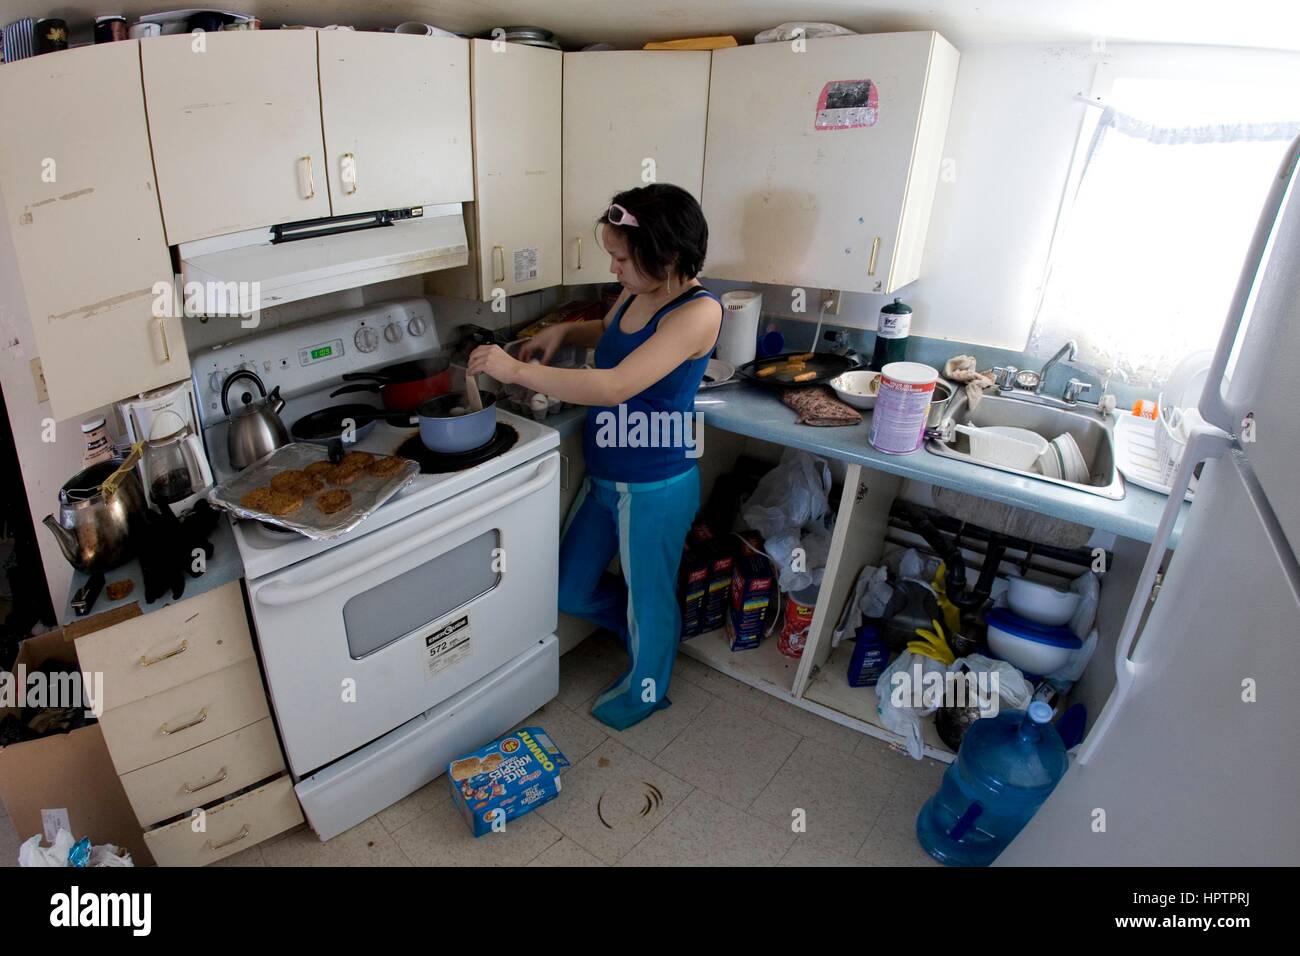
(1212, 406)
(1205, 442)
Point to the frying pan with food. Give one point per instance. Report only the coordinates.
(797, 368)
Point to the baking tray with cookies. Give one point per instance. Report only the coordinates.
(298, 487)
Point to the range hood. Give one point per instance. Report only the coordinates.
(260, 268)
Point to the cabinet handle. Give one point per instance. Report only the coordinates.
(243, 832)
(203, 715)
(150, 661)
(311, 179)
(162, 328)
(580, 253)
(495, 251)
(350, 166)
(203, 786)
(871, 263)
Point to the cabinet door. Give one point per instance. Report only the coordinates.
(815, 178)
(517, 103)
(622, 108)
(236, 130)
(86, 231)
(396, 119)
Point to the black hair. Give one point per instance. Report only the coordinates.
(670, 233)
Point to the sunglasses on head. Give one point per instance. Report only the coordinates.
(618, 216)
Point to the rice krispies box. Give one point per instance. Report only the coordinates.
(510, 776)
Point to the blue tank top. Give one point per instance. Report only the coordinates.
(653, 435)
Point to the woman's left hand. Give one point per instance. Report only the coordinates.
(493, 360)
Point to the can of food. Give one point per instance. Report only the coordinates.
(898, 421)
(799, 608)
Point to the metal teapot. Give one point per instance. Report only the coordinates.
(94, 525)
(255, 429)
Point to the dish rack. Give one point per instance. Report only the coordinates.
(1169, 445)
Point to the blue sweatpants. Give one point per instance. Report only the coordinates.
(646, 525)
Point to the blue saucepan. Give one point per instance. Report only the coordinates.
(448, 426)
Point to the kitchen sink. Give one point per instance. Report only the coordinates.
(1090, 431)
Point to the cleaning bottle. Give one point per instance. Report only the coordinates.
(1006, 767)
(892, 329)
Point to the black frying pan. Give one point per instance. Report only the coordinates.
(797, 368)
(323, 426)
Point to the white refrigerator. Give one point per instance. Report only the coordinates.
(1194, 760)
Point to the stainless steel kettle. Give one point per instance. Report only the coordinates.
(255, 428)
(96, 528)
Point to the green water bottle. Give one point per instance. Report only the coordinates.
(891, 335)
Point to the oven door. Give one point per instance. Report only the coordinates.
(364, 637)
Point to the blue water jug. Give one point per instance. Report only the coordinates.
(1006, 767)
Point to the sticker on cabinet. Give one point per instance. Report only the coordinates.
(446, 646)
(847, 104)
(526, 264)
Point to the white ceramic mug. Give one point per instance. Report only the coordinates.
(139, 31)
(415, 28)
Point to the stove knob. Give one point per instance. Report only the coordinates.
(417, 326)
(393, 332)
(215, 381)
(367, 339)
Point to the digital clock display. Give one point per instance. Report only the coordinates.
(325, 351)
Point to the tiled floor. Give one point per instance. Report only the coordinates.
(720, 778)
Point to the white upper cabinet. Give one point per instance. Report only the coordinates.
(235, 124)
(822, 162)
(630, 117)
(79, 192)
(396, 118)
(514, 222)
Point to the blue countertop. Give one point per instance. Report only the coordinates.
(756, 412)
(224, 567)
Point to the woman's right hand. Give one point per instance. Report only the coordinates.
(542, 346)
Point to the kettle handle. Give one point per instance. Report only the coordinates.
(225, 387)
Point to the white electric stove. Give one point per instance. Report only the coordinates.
(428, 629)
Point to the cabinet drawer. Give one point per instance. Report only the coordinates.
(233, 826)
(169, 647)
(176, 720)
(206, 773)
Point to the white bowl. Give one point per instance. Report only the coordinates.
(858, 388)
(1037, 655)
(1041, 603)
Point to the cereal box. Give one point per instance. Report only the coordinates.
(506, 779)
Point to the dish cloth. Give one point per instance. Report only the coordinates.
(961, 369)
(819, 406)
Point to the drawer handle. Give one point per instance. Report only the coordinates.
(580, 253)
(150, 661)
(875, 248)
(350, 172)
(311, 178)
(203, 786)
(203, 715)
(243, 832)
(498, 252)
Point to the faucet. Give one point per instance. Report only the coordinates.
(1066, 352)
(1029, 384)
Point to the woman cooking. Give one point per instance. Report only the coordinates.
(640, 497)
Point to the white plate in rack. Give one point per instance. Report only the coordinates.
(1135, 454)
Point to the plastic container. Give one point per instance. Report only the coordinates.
(1006, 767)
(799, 609)
(1041, 603)
(1035, 649)
(902, 403)
(738, 338)
(870, 657)
(998, 445)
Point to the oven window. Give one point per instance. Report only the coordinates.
(426, 593)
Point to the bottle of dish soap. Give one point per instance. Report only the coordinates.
(892, 329)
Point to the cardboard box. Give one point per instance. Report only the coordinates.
(70, 771)
(506, 779)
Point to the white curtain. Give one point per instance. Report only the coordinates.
(1151, 246)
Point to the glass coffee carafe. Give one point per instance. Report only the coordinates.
(175, 469)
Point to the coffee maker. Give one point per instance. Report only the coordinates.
(173, 467)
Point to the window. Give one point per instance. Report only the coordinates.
(1169, 182)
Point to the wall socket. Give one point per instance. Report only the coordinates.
(831, 301)
(38, 377)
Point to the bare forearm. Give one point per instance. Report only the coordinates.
(581, 386)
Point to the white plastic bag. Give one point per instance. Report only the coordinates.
(870, 598)
(789, 508)
(809, 30)
(31, 853)
(1014, 692)
(904, 694)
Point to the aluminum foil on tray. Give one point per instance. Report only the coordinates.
(367, 492)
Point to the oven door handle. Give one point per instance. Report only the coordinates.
(280, 594)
